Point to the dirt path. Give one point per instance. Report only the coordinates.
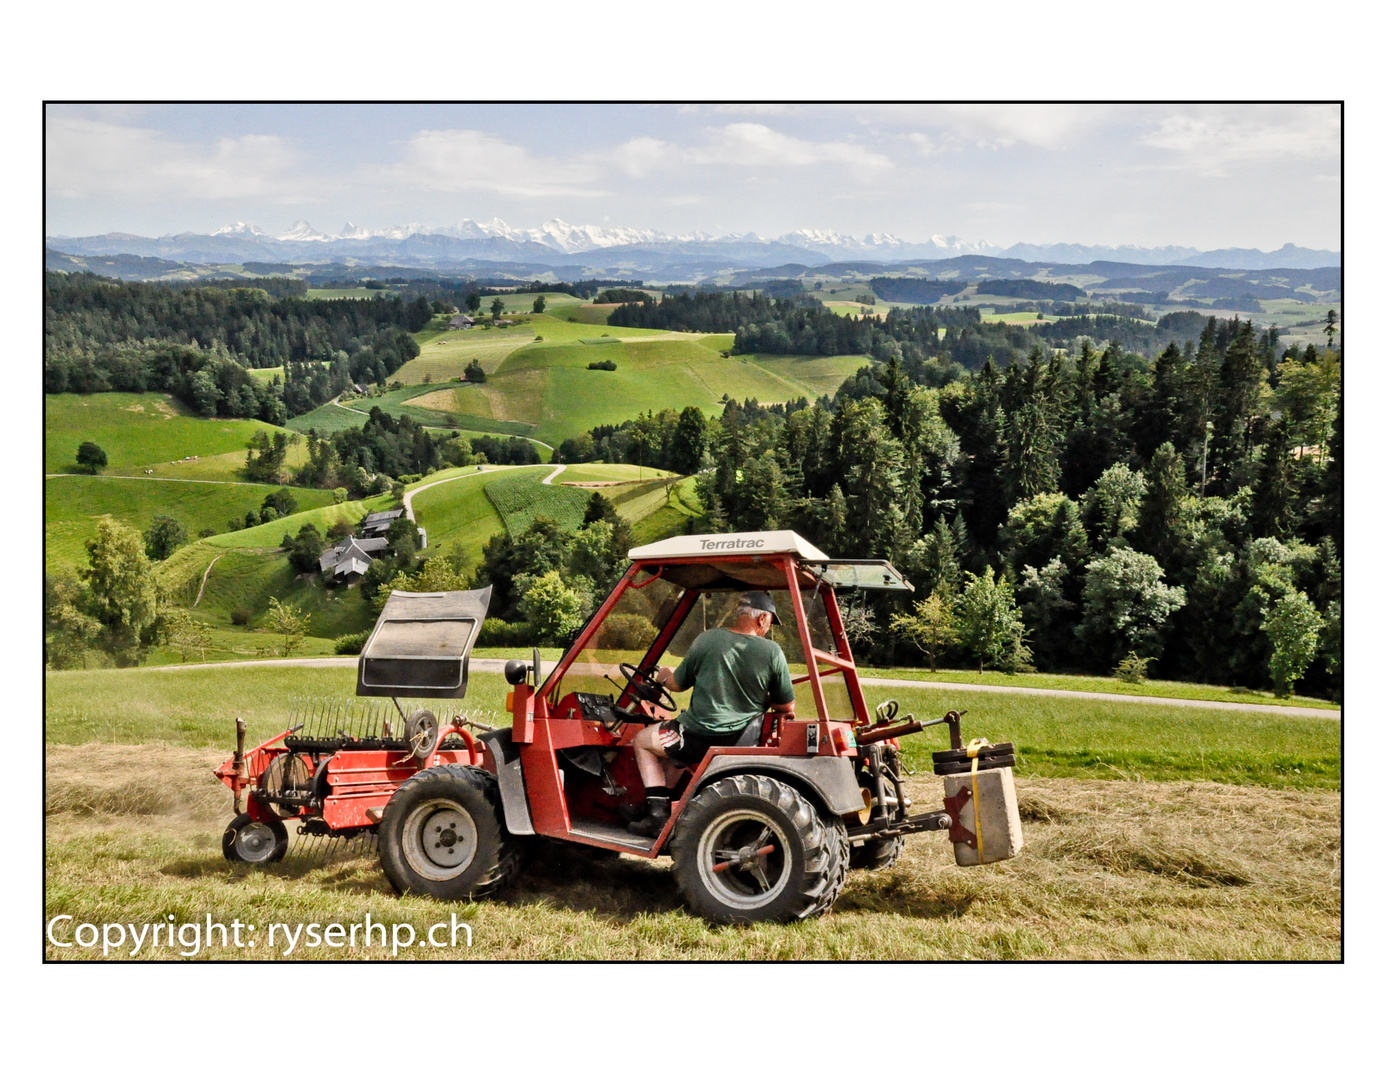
(205, 580)
(156, 479)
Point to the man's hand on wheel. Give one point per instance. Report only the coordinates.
(666, 678)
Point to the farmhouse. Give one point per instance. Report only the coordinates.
(461, 322)
(379, 524)
(349, 559)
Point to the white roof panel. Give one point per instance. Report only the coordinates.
(678, 547)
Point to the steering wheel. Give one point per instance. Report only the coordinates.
(641, 682)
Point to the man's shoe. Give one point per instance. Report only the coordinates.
(657, 816)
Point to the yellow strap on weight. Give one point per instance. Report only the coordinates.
(973, 751)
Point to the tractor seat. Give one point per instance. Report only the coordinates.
(752, 734)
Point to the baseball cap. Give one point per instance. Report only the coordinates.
(760, 601)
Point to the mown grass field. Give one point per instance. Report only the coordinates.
(138, 431)
(1141, 866)
(72, 505)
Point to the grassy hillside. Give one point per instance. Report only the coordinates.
(72, 505)
(547, 387)
(140, 431)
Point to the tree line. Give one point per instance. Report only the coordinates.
(102, 335)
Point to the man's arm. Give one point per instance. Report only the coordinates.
(666, 678)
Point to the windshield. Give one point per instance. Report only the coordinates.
(641, 613)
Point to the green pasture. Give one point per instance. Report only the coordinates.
(249, 578)
(445, 353)
(1018, 318)
(72, 505)
(551, 385)
(138, 431)
(668, 518)
(460, 513)
(1053, 737)
(346, 294)
(322, 517)
(601, 473)
(331, 417)
(1099, 685)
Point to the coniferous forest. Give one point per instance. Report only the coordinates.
(1185, 511)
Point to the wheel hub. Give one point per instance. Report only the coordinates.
(744, 858)
(254, 842)
(439, 839)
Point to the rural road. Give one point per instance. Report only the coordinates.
(497, 667)
(156, 479)
(409, 495)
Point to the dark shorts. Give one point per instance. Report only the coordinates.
(693, 745)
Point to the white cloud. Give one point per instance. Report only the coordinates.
(990, 126)
(639, 156)
(87, 158)
(757, 145)
(1211, 138)
(464, 160)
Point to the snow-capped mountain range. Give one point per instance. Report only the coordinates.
(559, 243)
(574, 239)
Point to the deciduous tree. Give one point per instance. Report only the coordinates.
(92, 457)
(988, 622)
(1293, 627)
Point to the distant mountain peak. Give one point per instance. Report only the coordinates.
(303, 232)
(239, 228)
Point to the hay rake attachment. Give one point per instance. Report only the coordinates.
(331, 773)
(338, 762)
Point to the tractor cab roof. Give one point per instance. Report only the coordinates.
(747, 560)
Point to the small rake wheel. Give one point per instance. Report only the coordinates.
(255, 842)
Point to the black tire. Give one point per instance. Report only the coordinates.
(840, 854)
(456, 810)
(801, 878)
(255, 842)
(876, 854)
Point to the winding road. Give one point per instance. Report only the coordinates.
(409, 495)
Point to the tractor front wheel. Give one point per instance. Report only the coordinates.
(443, 835)
(750, 848)
(255, 842)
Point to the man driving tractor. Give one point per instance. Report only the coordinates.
(737, 675)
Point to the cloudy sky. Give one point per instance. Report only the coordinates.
(1196, 175)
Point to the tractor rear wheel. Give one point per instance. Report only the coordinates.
(255, 842)
(749, 848)
(443, 835)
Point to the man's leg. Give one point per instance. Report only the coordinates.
(658, 774)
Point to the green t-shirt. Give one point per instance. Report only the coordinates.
(735, 677)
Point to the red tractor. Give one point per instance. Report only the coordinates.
(766, 829)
